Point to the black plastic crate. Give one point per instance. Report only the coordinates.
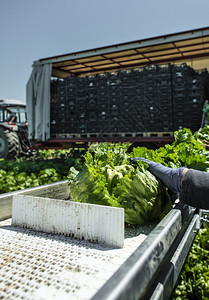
(179, 86)
(163, 82)
(196, 82)
(72, 103)
(125, 74)
(126, 85)
(114, 110)
(61, 101)
(196, 102)
(114, 101)
(126, 90)
(182, 70)
(165, 125)
(104, 124)
(102, 94)
(180, 100)
(180, 107)
(129, 102)
(92, 104)
(165, 107)
(179, 114)
(183, 122)
(150, 70)
(152, 81)
(61, 83)
(127, 97)
(102, 100)
(164, 102)
(113, 95)
(92, 94)
(80, 93)
(113, 87)
(54, 104)
(163, 94)
(70, 91)
(112, 78)
(54, 129)
(72, 114)
(63, 125)
(102, 88)
(92, 123)
(70, 82)
(180, 92)
(103, 116)
(165, 116)
(163, 69)
(61, 92)
(91, 81)
(72, 129)
(196, 93)
(103, 106)
(138, 89)
(62, 119)
(150, 90)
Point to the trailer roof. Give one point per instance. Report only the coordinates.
(189, 46)
(12, 102)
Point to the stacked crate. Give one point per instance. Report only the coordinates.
(139, 106)
(103, 103)
(156, 98)
(91, 117)
(71, 105)
(126, 101)
(113, 98)
(164, 98)
(81, 105)
(54, 108)
(196, 98)
(150, 95)
(188, 97)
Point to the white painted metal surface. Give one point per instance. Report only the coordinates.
(95, 223)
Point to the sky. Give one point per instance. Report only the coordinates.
(31, 30)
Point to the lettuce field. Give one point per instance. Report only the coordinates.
(44, 167)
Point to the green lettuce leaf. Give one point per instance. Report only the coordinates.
(109, 179)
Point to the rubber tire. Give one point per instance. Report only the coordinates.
(9, 144)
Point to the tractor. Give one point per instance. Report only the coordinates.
(13, 129)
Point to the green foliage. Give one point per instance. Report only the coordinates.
(206, 110)
(45, 167)
(203, 134)
(108, 178)
(194, 279)
(14, 180)
(187, 150)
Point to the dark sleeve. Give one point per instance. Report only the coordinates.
(195, 189)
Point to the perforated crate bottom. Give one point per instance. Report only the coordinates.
(36, 265)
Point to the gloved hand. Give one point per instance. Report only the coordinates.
(171, 177)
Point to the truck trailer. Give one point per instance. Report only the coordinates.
(136, 92)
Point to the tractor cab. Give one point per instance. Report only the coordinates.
(13, 111)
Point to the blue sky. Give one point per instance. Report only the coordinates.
(30, 30)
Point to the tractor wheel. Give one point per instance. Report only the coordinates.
(9, 144)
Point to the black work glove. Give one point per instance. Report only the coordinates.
(171, 177)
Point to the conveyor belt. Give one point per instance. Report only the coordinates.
(37, 265)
